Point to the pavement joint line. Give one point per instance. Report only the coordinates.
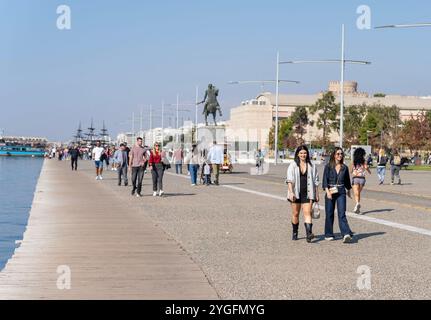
(387, 223)
(364, 197)
(368, 189)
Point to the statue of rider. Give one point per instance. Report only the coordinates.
(210, 100)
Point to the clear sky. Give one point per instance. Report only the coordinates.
(121, 55)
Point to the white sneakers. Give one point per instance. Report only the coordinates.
(155, 194)
(161, 193)
(99, 178)
(330, 239)
(347, 238)
(357, 209)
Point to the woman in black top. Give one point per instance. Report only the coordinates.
(336, 180)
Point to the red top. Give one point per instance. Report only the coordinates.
(155, 158)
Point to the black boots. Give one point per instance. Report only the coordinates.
(309, 231)
(295, 228)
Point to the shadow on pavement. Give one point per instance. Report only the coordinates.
(169, 195)
(378, 211)
(356, 237)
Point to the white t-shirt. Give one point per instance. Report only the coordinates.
(97, 153)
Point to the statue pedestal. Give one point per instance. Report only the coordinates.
(209, 134)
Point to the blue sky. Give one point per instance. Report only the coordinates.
(120, 55)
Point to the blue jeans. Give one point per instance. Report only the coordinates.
(194, 173)
(338, 200)
(179, 168)
(381, 172)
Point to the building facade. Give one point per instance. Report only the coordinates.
(251, 122)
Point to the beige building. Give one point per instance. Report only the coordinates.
(250, 123)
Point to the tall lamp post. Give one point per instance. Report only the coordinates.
(343, 61)
(277, 82)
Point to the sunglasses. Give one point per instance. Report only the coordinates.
(339, 154)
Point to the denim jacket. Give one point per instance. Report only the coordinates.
(342, 180)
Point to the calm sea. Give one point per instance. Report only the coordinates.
(18, 178)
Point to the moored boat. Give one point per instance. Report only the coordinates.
(21, 150)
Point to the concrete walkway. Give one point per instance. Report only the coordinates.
(110, 248)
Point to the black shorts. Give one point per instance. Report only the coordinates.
(302, 199)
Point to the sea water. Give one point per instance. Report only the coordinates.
(18, 179)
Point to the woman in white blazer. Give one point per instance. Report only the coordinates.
(303, 190)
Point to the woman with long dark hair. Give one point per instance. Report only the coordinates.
(358, 170)
(336, 183)
(157, 168)
(303, 181)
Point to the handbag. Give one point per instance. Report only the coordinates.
(316, 211)
(165, 162)
(334, 190)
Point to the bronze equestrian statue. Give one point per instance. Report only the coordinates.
(211, 103)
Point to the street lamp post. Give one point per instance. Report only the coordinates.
(343, 62)
(277, 82)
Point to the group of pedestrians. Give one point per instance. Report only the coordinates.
(208, 162)
(395, 162)
(337, 183)
(138, 159)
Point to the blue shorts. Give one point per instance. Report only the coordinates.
(99, 164)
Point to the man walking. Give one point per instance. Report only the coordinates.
(215, 157)
(74, 155)
(96, 154)
(178, 159)
(121, 162)
(396, 163)
(136, 162)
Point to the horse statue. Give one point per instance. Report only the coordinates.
(211, 103)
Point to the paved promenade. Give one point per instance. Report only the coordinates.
(110, 248)
(235, 241)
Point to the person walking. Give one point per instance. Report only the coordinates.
(157, 170)
(74, 155)
(178, 160)
(303, 190)
(206, 171)
(215, 157)
(96, 155)
(121, 163)
(336, 183)
(136, 162)
(396, 163)
(358, 170)
(193, 162)
(259, 160)
(382, 161)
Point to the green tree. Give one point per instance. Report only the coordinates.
(285, 129)
(353, 122)
(416, 133)
(327, 111)
(380, 125)
(428, 116)
(300, 122)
